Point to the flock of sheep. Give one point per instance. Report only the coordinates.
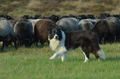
(28, 31)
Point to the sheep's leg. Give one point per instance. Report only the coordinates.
(14, 42)
(3, 45)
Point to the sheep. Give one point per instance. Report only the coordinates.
(107, 29)
(86, 24)
(6, 30)
(41, 30)
(24, 32)
(68, 24)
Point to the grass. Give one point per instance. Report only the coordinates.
(34, 63)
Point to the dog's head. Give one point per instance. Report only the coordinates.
(54, 33)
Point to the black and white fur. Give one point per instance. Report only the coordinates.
(61, 42)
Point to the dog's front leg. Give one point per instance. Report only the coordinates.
(58, 54)
(63, 57)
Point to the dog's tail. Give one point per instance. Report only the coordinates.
(101, 54)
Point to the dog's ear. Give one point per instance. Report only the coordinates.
(50, 28)
(53, 28)
(60, 27)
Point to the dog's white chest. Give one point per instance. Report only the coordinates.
(54, 44)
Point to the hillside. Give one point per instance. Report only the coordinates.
(17, 8)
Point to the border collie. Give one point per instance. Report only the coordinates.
(61, 42)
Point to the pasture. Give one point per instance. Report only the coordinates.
(34, 63)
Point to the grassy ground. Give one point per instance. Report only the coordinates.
(34, 63)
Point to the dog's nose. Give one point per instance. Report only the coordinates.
(56, 37)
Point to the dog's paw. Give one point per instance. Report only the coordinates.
(52, 58)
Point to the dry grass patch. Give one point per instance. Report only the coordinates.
(43, 6)
(62, 7)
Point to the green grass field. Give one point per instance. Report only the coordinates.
(34, 63)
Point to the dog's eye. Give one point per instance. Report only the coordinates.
(50, 32)
(54, 32)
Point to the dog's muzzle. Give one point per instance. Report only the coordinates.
(56, 37)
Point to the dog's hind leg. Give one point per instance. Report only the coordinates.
(86, 54)
(86, 57)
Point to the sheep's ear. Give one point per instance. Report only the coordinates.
(8, 17)
(56, 17)
(91, 16)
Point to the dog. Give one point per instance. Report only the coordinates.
(61, 42)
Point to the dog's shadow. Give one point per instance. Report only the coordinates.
(94, 59)
(113, 59)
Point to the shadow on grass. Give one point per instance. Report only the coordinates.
(12, 48)
(93, 59)
(113, 59)
(40, 46)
